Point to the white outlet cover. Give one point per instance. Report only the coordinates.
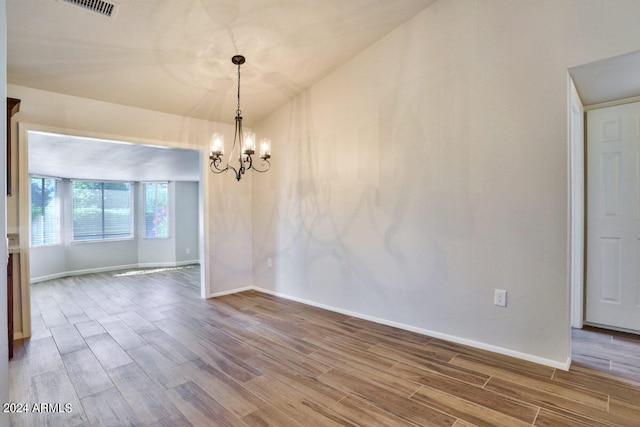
(500, 298)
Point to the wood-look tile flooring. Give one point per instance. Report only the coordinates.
(145, 350)
(616, 353)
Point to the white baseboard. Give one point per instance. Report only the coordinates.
(81, 272)
(113, 268)
(233, 291)
(452, 338)
(168, 264)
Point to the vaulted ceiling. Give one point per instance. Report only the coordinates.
(174, 56)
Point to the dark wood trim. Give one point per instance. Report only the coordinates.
(13, 106)
(10, 304)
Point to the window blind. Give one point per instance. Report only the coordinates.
(45, 211)
(102, 210)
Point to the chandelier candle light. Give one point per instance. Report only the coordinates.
(244, 142)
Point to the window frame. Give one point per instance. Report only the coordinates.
(144, 209)
(132, 212)
(58, 208)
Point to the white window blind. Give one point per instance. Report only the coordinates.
(156, 212)
(102, 210)
(45, 211)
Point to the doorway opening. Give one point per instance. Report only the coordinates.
(595, 85)
(79, 157)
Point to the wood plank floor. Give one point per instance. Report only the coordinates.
(145, 350)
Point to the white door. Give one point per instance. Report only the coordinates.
(613, 217)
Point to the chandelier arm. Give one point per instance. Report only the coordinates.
(262, 170)
(248, 161)
(215, 170)
(237, 172)
(215, 161)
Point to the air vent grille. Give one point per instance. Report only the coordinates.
(102, 7)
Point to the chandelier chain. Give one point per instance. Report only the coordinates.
(238, 111)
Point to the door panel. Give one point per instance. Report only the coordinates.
(613, 217)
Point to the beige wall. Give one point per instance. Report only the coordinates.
(432, 168)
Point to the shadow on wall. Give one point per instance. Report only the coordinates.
(355, 210)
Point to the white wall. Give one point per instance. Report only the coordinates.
(432, 168)
(186, 221)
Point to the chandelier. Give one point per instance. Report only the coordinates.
(244, 144)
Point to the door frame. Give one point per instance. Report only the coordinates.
(577, 200)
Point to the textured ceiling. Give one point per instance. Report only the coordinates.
(88, 158)
(174, 56)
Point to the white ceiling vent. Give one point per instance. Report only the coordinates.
(102, 7)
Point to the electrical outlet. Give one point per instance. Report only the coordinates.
(269, 263)
(188, 251)
(500, 298)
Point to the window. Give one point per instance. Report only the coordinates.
(102, 210)
(45, 211)
(156, 215)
